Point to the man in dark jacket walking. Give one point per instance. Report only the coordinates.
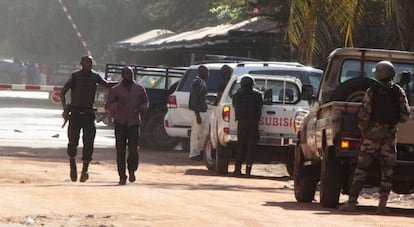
(248, 106)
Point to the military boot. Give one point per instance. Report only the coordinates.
(73, 170)
(84, 175)
(349, 206)
(382, 207)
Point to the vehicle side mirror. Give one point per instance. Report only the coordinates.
(212, 99)
(307, 93)
(268, 97)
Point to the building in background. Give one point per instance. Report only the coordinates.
(257, 38)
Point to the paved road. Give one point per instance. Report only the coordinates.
(30, 119)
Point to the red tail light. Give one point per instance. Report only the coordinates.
(172, 101)
(226, 113)
(166, 124)
(226, 130)
(350, 144)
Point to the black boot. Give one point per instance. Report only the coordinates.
(84, 175)
(237, 170)
(73, 171)
(248, 170)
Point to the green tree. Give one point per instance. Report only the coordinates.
(315, 27)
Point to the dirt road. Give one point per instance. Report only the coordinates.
(170, 191)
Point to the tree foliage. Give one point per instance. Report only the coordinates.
(315, 27)
(40, 30)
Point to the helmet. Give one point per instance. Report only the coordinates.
(384, 70)
(247, 81)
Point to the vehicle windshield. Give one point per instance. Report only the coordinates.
(306, 77)
(282, 91)
(213, 81)
(351, 69)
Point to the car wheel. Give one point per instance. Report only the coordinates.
(209, 154)
(108, 120)
(290, 150)
(222, 161)
(185, 144)
(331, 179)
(155, 134)
(304, 178)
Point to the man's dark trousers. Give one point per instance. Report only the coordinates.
(247, 136)
(84, 120)
(126, 135)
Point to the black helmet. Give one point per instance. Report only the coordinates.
(247, 81)
(384, 71)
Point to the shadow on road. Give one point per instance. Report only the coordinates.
(362, 209)
(205, 172)
(173, 157)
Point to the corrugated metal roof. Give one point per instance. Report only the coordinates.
(203, 36)
(149, 36)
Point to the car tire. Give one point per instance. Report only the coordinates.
(352, 90)
(222, 161)
(209, 154)
(332, 174)
(155, 134)
(108, 121)
(304, 179)
(290, 160)
(185, 145)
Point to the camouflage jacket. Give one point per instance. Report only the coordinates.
(375, 130)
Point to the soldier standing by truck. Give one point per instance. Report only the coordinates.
(385, 104)
(248, 107)
(80, 114)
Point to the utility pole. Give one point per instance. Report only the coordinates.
(75, 27)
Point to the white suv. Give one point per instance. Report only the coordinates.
(282, 99)
(177, 121)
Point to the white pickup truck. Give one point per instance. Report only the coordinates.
(282, 99)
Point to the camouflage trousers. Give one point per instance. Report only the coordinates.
(383, 149)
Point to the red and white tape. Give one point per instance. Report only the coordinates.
(75, 27)
(54, 91)
(22, 87)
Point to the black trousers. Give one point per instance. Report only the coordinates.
(126, 135)
(84, 121)
(247, 136)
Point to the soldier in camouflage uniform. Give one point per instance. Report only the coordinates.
(385, 104)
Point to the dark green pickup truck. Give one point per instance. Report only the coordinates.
(159, 83)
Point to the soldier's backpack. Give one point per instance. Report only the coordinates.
(386, 107)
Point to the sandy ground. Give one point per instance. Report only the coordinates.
(35, 189)
(170, 191)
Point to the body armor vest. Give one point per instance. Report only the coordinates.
(83, 90)
(386, 104)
